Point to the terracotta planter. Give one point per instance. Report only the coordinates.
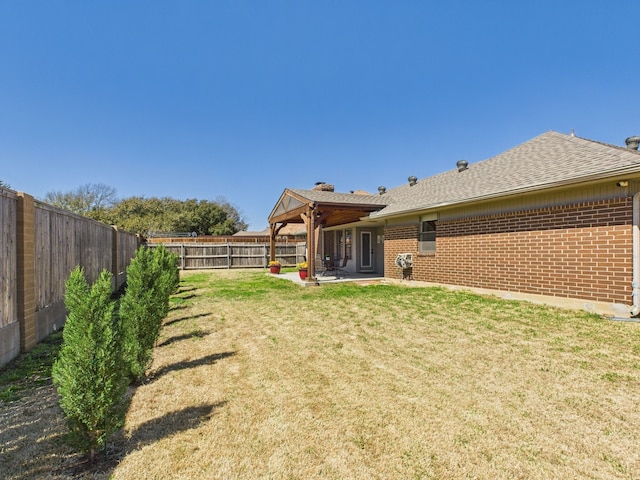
(303, 274)
(274, 268)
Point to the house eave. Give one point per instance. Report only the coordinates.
(627, 173)
(361, 222)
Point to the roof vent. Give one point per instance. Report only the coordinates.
(462, 165)
(412, 180)
(382, 190)
(632, 143)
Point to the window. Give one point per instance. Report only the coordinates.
(427, 236)
(344, 243)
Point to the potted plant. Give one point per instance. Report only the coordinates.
(274, 266)
(302, 269)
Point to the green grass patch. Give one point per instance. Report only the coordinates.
(197, 279)
(250, 286)
(29, 370)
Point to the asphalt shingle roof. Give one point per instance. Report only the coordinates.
(336, 197)
(549, 159)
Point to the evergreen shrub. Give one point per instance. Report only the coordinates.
(88, 372)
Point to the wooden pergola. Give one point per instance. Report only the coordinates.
(318, 209)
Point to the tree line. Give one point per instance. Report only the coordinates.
(147, 216)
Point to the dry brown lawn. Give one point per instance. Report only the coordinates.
(258, 378)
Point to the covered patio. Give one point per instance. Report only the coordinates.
(319, 209)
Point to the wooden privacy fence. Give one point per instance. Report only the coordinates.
(233, 255)
(39, 246)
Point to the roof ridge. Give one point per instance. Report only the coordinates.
(550, 158)
(610, 145)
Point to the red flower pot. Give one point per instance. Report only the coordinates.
(274, 268)
(303, 274)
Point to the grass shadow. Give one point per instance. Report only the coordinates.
(185, 336)
(182, 319)
(185, 419)
(122, 444)
(185, 297)
(184, 289)
(208, 360)
(177, 307)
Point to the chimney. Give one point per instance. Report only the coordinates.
(632, 143)
(412, 180)
(323, 187)
(462, 165)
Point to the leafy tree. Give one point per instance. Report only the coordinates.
(4, 184)
(88, 372)
(145, 215)
(205, 218)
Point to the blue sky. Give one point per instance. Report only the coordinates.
(242, 99)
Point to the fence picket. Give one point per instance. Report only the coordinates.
(232, 255)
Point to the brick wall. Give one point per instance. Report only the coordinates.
(578, 251)
(399, 239)
(329, 242)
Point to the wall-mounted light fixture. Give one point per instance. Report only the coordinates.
(622, 183)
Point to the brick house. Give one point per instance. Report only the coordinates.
(553, 220)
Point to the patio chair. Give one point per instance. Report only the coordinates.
(339, 269)
(324, 266)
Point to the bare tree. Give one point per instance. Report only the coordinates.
(233, 213)
(88, 198)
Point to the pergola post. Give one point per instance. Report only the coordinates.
(311, 244)
(272, 242)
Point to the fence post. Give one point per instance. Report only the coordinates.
(26, 270)
(114, 258)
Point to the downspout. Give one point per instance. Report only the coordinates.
(635, 309)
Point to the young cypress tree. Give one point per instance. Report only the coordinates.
(152, 276)
(167, 276)
(140, 311)
(88, 373)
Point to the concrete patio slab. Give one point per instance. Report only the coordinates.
(323, 279)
